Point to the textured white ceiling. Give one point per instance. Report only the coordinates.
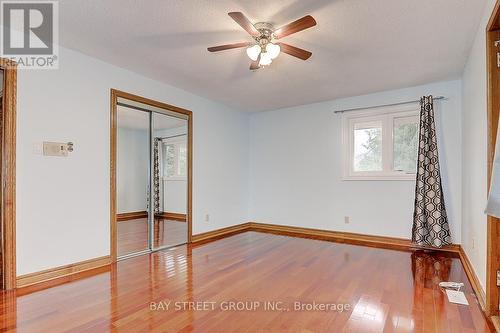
(359, 46)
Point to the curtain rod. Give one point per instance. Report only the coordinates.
(437, 98)
(169, 137)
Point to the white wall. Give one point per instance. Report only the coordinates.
(293, 161)
(132, 169)
(296, 168)
(475, 151)
(171, 131)
(175, 193)
(63, 203)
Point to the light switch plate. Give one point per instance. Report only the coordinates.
(55, 149)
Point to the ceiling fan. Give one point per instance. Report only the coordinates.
(265, 46)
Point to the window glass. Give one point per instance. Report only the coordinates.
(405, 141)
(368, 147)
(182, 159)
(381, 144)
(169, 158)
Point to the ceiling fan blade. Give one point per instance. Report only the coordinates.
(255, 64)
(295, 51)
(296, 26)
(242, 20)
(227, 47)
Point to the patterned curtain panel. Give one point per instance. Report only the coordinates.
(156, 175)
(430, 224)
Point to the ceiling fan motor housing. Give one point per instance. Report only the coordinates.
(266, 33)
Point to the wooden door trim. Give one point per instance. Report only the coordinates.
(8, 173)
(493, 102)
(115, 94)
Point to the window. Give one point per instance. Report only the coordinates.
(381, 144)
(175, 159)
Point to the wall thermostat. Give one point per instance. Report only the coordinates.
(57, 148)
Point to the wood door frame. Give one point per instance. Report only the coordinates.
(115, 94)
(493, 113)
(8, 173)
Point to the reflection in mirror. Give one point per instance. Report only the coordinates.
(132, 180)
(169, 180)
(1, 236)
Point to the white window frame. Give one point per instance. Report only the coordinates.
(176, 142)
(386, 116)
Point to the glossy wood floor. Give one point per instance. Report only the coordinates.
(388, 291)
(132, 235)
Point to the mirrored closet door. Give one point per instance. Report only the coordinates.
(132, 180)
(170, 180)
(152, 167)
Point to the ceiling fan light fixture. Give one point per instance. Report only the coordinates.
(265, 59)
(253, 52)
(266, 44)
(273, 50)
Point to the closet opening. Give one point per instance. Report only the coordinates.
(151, 175)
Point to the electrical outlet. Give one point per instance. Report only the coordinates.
(347, 219)
(207, 217)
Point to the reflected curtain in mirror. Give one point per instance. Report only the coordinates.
(156, 175)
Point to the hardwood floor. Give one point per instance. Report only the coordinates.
(132, 235)
(387, 291)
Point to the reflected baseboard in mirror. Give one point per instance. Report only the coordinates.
(120, 217)
(172, 216)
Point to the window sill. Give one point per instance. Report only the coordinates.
(410, 177)
(175, 179)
